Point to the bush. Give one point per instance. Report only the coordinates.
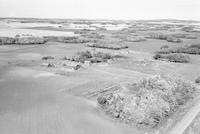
(180, 35)
(104, 45)
(135, 39)
(22, 41)
(148, 102)
(188, 29)
(50, 65)
(77, 67)
(197, 80)
(17, 36)
(184, 36)
(66, 39)
(195, 46)
(93, 35)
(30, 40)
(102, 55)
(101, 29)
(84, 56)
(157, 56)
(167, 37)
(128, 36)
(173, 39)
(192, 50)
(7, 41)
(47, 57)
(191, 37)
(187, 50)
(159, 36)
(80, 32)
(180, 58)
(164, 47)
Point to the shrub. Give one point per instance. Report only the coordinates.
(159, 36)
(6, 41)
(47, 57)
(50, 65)
(184, 36)
(188, 29)
(180, 35)
(80, 32)
(157, 56)
(152, 101)
(17, 36)
(22, 41)
(173, 39)
(195, 46)
(84, 56)
(180, 58)
(30, 40)
(107, 45)
(102, 55)
(101, 29)
(192, 50)
(64, 39)
(164, 47)
(197, 80)
(167, 37)
(135, 39)
(191, 37)
(93, 35)
(77, 67)
(187, 50)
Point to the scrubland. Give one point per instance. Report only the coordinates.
(150, 101)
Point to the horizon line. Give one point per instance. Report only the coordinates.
(51, 18)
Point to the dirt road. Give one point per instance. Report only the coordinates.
(181, 126)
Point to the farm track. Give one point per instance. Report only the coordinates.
(186, 120)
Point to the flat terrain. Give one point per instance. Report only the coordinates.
(38, 100)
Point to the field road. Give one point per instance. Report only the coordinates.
(181, 126)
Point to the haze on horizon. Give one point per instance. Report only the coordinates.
(102, 9)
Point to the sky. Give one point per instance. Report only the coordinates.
(102, 9)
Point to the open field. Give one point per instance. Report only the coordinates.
(43, 90)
